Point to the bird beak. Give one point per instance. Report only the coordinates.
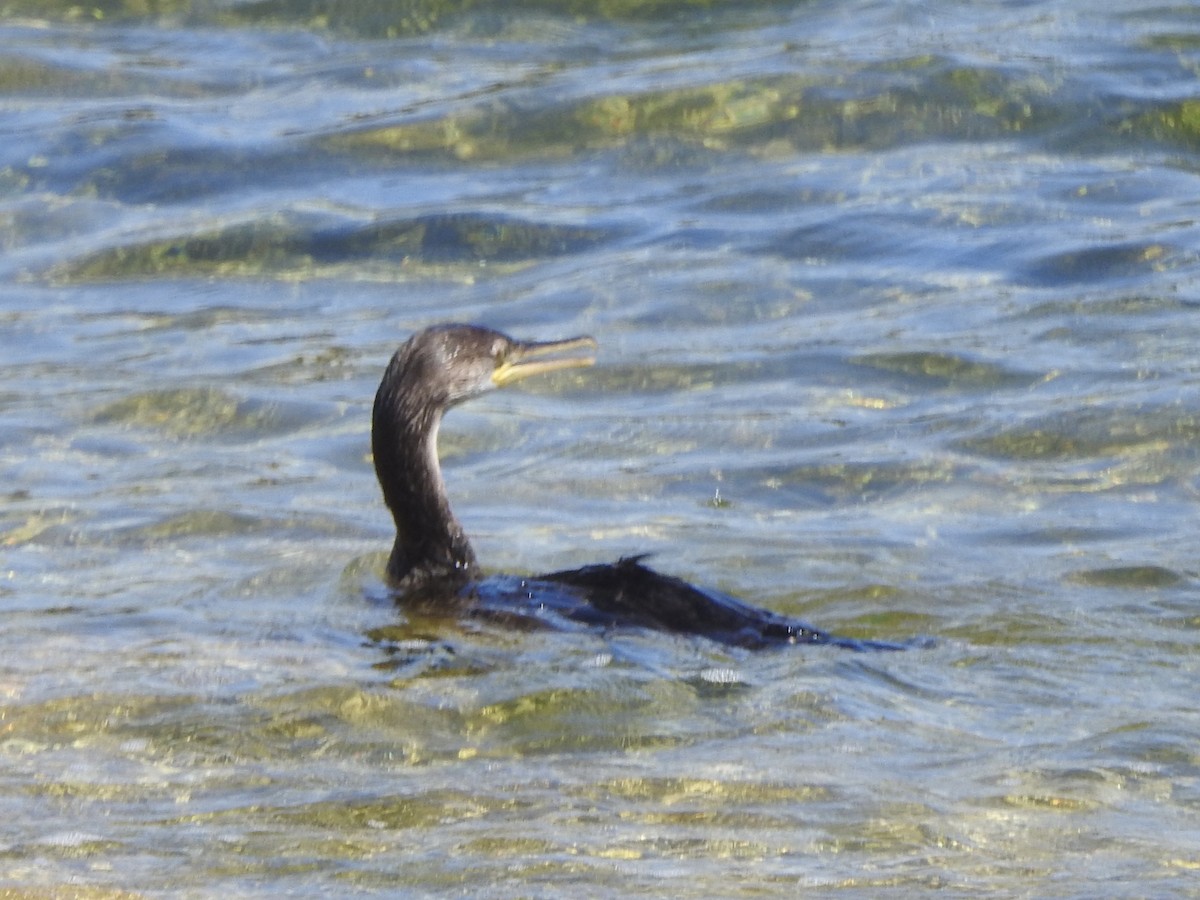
(525, 359)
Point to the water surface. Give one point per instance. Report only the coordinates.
(898, 307)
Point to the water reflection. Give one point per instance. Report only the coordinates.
(898, 337)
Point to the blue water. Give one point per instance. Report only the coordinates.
(897, 305)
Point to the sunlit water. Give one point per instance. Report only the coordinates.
(899, 315)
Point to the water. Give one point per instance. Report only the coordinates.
(898, 307)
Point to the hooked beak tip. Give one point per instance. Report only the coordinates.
(526, 359)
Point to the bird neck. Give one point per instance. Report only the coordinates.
(431, 547)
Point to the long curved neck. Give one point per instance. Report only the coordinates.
(430, 545)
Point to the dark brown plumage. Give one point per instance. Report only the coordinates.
(432, 561)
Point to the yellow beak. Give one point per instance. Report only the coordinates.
(525, 359)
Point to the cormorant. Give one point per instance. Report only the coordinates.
(432, 563)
